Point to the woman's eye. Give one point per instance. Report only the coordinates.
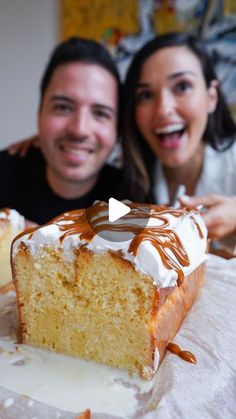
(142, 96)
(182, 87)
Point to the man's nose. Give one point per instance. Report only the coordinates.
(80, 124)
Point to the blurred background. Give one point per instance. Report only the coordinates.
(29, 29)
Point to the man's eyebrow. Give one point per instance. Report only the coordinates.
(72, 101)
(62, 97)
(105, 107)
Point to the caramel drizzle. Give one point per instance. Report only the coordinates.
(185, 355)
(198, 227)
(87, 223)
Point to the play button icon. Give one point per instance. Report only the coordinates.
(117, 218)
(117, 210)
(117, 221)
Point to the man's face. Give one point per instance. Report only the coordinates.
(78, 122)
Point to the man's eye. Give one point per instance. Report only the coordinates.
(61, 107)
(99, 113)
(183, 87)
(142, 96)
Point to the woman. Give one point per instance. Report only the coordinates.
(178, 130)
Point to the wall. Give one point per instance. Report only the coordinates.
(124, 26)
(29, 29)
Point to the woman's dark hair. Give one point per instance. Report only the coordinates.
(83, 51)
(220, 131)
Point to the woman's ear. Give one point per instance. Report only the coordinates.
(213, 96)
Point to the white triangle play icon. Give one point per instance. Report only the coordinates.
(116, 210)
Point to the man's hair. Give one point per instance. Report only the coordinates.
(78, 50)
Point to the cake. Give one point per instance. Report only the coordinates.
(11, 224)
(115, 302)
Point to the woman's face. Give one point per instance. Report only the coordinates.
(172, 103)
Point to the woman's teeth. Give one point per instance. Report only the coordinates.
(169, 129)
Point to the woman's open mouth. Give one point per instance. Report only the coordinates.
(170, 136)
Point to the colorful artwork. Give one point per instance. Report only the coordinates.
(99, 19)
(124, 26)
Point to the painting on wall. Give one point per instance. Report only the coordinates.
(124, 26)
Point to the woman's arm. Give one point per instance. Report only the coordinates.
(30, 224)
(23, 146)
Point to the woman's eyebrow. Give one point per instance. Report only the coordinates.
(173, 76)
(182, 73)
(141, 84)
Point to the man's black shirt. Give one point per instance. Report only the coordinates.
(24, 187)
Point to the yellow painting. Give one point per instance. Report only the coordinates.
(99, 19)
(104, 19)
(125, 25)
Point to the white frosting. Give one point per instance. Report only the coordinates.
(156, 359)
(17, 220)
(147, 261)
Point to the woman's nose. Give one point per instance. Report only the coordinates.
(164, 105)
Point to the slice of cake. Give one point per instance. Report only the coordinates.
(115, 302)
(11, 224)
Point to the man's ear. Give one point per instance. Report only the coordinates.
(38, 126)
(35, 140)
(38, 118)
(213, 96)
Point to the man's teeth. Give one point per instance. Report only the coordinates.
(169, 129)
(76, 151)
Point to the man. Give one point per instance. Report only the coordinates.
(78, 125)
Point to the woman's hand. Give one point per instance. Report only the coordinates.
(30, 224)
(22, 147)
(219, 213)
